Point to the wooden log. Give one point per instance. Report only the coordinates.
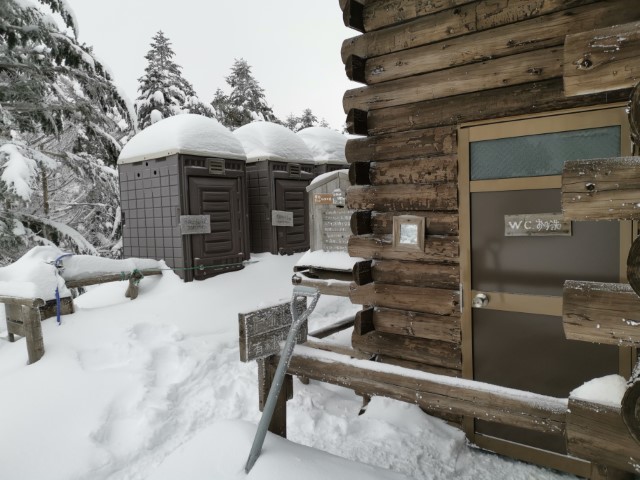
(420, 367)
(607, 313)
(630, 405)
(436, 249)
(340, 349)
(513, 70)
(352, 15)
(336, 327)
(357, 122)
(435, 169)
(437, 301)
(33, 333)
(359, 173)
(364, 322)
(413, 144)
(440, 393)
(526, 99)
(338, 288)
(362, 272)
(528, 35)
(430, 352)
(445, 328)
(29, 302)
(384, 13)
(596, 432)
(107, 277)
(354, 68)
(602, 60)
(415, 274)
(442, 196)
(437, 223)
(448, 24)
(361, 222)
(633, 266)
(601, 189)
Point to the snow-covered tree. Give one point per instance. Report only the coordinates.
(164, 92)
(307, 119)
(246, 103)
(61, 125)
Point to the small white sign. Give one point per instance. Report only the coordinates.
(194, 224)
(281, 218)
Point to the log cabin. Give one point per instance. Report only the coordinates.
(489, 291)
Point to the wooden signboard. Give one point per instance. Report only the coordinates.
(280, 218)
(262, 331)
(323, 198)
(195, 224)
(536, 225)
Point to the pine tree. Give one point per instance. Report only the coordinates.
(307, 119)
(246, 103)
(164, 92)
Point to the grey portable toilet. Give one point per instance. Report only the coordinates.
(183, 196)
(327, 147)
(279, 168)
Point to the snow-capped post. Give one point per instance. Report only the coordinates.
(278, 378)
(23, 318)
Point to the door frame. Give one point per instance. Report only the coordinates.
(549, 122)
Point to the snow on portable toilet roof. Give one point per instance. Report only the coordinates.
(187, 133)
(270, 141)
(325, 144)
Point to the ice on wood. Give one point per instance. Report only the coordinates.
(269, 141)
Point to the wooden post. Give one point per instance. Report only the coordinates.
(33, 333)
(631, 404)
(266, 371)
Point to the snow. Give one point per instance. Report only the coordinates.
(17, 171)
(329, 260)
(325, 144)
(187, 133)
(326, 176)
(270, 141)
(607, 390)
(154, 389)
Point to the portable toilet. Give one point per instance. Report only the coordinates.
(184, 198)
(279, 168)
(327, 147)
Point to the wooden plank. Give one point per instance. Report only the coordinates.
(430, 352)
(33, 333)
(434, 392)
(596, 432)
(437, 223)
(107, 277)
(513, 70)
(421, 170)
(437, 301)
(436, 249)
(445, 328)
(420, 367)
(384, 13)
(339, 288)
(337, 348)
(416, 274)
(413, 144)
(601, 189)
(534, 34)
(261, 331)
(442, 196)
(29, 302)
(526, 99)
(604, 59)
(596, 312)
(452, 23)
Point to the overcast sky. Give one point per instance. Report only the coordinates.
(293, 46)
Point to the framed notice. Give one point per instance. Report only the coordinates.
(194, 224)
(281, 218)
(536, 225)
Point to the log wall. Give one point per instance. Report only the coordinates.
(425, 68)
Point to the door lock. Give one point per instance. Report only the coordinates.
(480, 300)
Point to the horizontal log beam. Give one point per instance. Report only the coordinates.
(413, 144)
(437, 223)
(445, 328)
(513, 70)
(336, 327)
(604, 59)
(107, 277)
(27, 302)
(420, 367)
(384, 13)
(452, 23)
(415, 274)
(596, 432)
(436, 249)
(526, 99)
(433, 392)
(437, 301)
(339, 288)
(607, 313)
(601, 189)
(534, 34)
(441, 196)
(354, 68)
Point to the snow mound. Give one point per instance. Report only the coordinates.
(270, 141)
(325, 144)
(607, 390)
(187, 133)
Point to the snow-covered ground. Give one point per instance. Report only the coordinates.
(154, 389)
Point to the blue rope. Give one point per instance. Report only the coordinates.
(58, 265)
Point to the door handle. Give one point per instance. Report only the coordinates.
(481, 300)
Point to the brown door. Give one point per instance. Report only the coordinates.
(514, 336)
(291, 196)
(219, 198)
